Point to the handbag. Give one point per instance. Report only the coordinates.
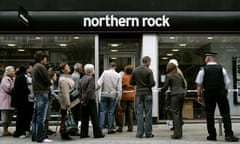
(70, 126)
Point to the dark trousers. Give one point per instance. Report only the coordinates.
(90, 110)
(127, 107)
(176, 110)
(213, 97)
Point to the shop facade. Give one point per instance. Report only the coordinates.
(124, 37)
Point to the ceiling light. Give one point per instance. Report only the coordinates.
(11, 45)
(175, 50)
(114, 58)
(172, 37)
(115, 45)
(210, 38)
(182, 45)
(76, 37)
(37, 38)
(21, 50)
(114, 50)
(169, 54)
(164, 58)
(63, 45)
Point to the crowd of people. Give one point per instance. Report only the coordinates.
(29, 91)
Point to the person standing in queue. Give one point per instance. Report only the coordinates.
(142, 77)
(87, 99)
(40, 83)
(111, 85)
(175, 81)
(212, 84)
(65, 86)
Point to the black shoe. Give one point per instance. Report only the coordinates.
(150, 136)
(130, 130)
(139, 136)
(173, 128)
(176, 137)
(231, 139)
(211, 138)
(100, 136)
(111, 132)
(119, 130)
(84, 136)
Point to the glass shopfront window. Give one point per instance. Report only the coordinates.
(19, 49)
(188, 49)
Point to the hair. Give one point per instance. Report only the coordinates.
(88, 68)
(146, 59)
(112, 64)
(8, 70)
(173, 61)
(51, 73)
(39, 55)
(61, 66)
(128, 69)
(171, 69)
(21, 70)
(76, 66)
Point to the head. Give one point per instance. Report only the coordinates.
(22, 70)
(52, 75)
(171, 68)
(210, 57)
(78, 67)
(128, 69)
(173, 61)
(89, 69)
(9, 71)
(64, 68)
(29, 68)
(40, 57)
(113, 65)
(146, 61)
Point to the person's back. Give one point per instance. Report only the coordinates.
(143, 77)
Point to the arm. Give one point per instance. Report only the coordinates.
(166, 85)
(133, 80)
(151, 80)
(199, 93)
(100, 82)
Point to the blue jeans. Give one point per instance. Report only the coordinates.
(143, 103)
(108, 106)
(39, 117)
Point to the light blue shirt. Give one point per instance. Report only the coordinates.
(200, 75)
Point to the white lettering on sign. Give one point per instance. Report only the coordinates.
(113, 21)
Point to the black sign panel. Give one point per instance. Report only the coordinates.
(112, 21)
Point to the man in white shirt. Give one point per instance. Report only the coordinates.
(111, 86)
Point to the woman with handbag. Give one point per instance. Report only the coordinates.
(87, 99)
(66, 85)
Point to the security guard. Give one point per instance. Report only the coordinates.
(212, 83)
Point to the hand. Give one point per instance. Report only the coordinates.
(200, 100)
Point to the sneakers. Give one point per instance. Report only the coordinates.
(22, 136)
(47, 141)
(231, 139)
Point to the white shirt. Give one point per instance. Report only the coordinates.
(200, 75)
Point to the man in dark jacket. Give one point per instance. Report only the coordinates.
(213, 80)
(142, 77)
(40, 83)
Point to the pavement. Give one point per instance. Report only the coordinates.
(193, 133)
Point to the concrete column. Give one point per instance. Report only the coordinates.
(150, 48)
